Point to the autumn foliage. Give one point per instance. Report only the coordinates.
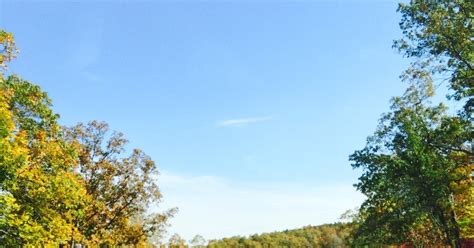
(65, 186)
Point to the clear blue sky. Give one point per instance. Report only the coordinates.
(260, 99)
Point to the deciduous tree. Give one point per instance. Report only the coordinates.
(439, 35)
(121, 187)
(411, 167)
(40, 193)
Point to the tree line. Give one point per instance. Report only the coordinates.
(324, 236)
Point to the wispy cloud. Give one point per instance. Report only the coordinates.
(243, 121)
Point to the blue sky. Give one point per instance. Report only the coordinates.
(250, 108)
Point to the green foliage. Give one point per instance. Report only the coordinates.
(411, 166)
(324, 236)
(439, 34)
(417, 165)
(40, 193)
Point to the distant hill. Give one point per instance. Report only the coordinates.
(324, 236)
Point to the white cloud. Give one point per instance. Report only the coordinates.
(216, 208)
(243, 121)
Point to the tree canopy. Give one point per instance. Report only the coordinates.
(40, 193)
(417, 166)
(121, 188)
(439, 35)
(60, 186)
(324, 236)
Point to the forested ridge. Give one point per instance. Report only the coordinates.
(64, 186)
(324, 236)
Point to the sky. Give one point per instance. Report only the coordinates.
(249, 108)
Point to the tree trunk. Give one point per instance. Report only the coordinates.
(456, 234)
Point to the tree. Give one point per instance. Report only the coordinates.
(40, 194)
(198, 241)
(121, 188)
(439, 34)
(411, 167)
(176, 241)
(329, 235)
(8, 49)
(417, 165)
(61, 186)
